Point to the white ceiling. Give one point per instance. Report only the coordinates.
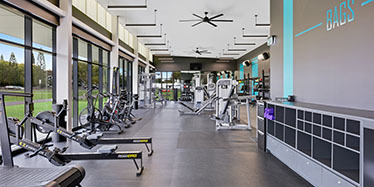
(183, 37)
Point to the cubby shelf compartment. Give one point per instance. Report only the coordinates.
(322, 136)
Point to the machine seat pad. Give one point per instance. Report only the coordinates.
(107, 149)
(16, 177)
(95, 136)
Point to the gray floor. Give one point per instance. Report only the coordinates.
(188, 152)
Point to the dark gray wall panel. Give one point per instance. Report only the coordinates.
(334, 67)
(183, 63)
(262, 65)
(330, 67)
(276, 51)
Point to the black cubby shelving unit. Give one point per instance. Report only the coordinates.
(331, 140)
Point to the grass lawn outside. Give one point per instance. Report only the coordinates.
(169, 95)
(17, 111)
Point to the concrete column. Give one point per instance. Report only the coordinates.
(135, 64)
(114, 53)
(64, 39)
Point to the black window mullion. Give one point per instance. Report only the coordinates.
(101, 77)
(54, 65)
(28, 71)
(89, 66)
(75, 82)
(128, 74)
(130, 80)
(108, 74)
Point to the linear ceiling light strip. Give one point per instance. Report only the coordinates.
(152, 35)
(159, 49)
(231, 54)
(144, 24)
(152, 44)
(235, 43)
(128, 6)
(253, 35)
(260, 24)
(236, 49)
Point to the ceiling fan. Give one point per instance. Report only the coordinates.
(199, 52)
(206, 19)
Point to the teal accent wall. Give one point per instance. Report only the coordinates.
(254, 73)
(241, 76)
(288, 47)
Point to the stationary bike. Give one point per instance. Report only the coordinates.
(91, 118)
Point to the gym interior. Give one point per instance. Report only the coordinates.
(269, 93)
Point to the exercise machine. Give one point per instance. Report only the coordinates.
(118, 109)
(11, 175)
(198, 90)
(197, 111)
(228, 106)
(48, 121)
(58, 156)
(186, 94)
(146, 94)
(91, 118)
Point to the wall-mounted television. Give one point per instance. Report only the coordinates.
(195, 66)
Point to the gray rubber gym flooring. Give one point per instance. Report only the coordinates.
(188, 152)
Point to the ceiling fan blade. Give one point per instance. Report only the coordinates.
(221, 20)
(212, 23)
(198, 16)
(198, 52)
(189, 20)
(214, 17)
(203, 51)
(197, 23)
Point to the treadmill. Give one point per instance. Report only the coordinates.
(13, 176)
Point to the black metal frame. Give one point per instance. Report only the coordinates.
(89, 73)
(75, 82)
(84, 141)
(28, 69)
(101, 79)
(128, 76)
(54, 65)
(28, 52)
(56, 157)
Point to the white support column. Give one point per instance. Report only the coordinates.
(135, 64)
(64, 40)
(147, 65)
(114, 53)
